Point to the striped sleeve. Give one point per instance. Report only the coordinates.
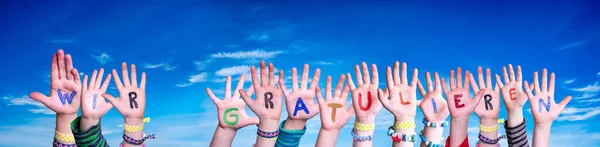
(289, 138)
(90, 138)
(517, 135)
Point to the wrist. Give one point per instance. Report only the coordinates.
(515, 117)
(488, 121)
(459, 120)
(227, 130)
(365, 120)
(404, 119)
(268, 125)
(543, 125)
(294, 124)
(134, 121)
(86, 123)
(66, 117)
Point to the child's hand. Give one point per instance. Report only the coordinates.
(333, 118)
(512, 89)
(364, 97)
(132, 99)
(93, 105)
(460, 102)
(402, 101)
(543, 107)
(433, 105)
(267, 105)
(302, 97)
(488, 106)
(231, 110)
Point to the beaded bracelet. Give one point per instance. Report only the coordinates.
(64, 138)
(430, 124)
(56, 143)
(490, 141)
(364, 127)
(361, 138)
(397, 137)
(137, 142)
(267, 135)
(405, 125)
(427, 142)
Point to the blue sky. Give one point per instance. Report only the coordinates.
(185, 46)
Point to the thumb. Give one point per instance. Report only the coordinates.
(478, 97)
(40, 98)
(110, 99)
(246, 98)
(564, 103)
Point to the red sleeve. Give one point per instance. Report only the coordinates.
(465, 142)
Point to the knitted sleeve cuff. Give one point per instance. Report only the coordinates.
(517, 135)
(92, 137)
(289, 138)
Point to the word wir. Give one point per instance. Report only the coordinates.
(66, 98)
(235, 116)
(132, 102)
(300, 106)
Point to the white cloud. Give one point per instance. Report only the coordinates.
(255, 54)
(234, 70)
(200, 65)
(164, 65)
(572, 45)
(586, 95)
(588, 88)
(26, 101)
(259, 37)
(567, 82)
(327, 63)
(576, 114)
(103, 57)
(201, 77)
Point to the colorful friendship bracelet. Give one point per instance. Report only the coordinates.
(56, 143)
(434, 125)
(138, 142)
(477, 144)
(121, 145)
(490, 141)
(397, 137)
(134, 129)
(364, 127)
(427, 142)
(267, 135)
(64, 138)
(361, 138)
(405, 125)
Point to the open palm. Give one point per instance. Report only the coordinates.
(301, 95)
(544, 113)
(512, 88)
(402, 101)
(93, 105)
(433, 105)
(132, 99)
(333, 118)
(364, 97)
(232, 109)
(461, 104)
(267, 104)
(65, 86)
(491, 95)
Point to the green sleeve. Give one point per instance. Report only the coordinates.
(90, 138)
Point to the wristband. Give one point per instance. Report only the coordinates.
(361, 138)
(56, 143)
(434, 125)
(427, 142)
(477, 144)
(491, 129)
(64, 138)
(134, 129)
(405, 125)
(490, 141)
(397, 137)
(137, 142)
(364, 127)
(267, 135)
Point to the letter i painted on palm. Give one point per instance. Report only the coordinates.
(300, 106)
(546, 105)
(94, 101)
(369, 101)
(434, 105)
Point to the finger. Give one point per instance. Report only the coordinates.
(315, 79)
(345, 93)
(228, 87)
(519, 75)
(126, 81)
(54, 69)
(359, 76)
(61, 64)
(459, 81)
(505, 74)
(105, 84)
(85, 83)
(281, 77)
(319, 95)
(338, 87)
(286, 93)
(240, 85)
(472, 82)
(415, 77)
(212, 96)
(468, 76)
(552, 82)
(367, 77)
(536, 82)
(350, 111)
(478, 97)
(384, 100)
(76, 76)
(444, 87)
(350, 82)
(246, 98)
(488, 77)
(93, 80)
(498, 81)
(438, 85)
(512, 72)
(397, 79)
(304, 82)
(404, 77)
(143, 82)
(528, 90)
(255, 81)
(40, 98)
(263, 73)
(117, 79)
(111, 99)
(421, 89)
(375, 74)
(544, 80)
(69, 66)
(99, 78)
(480, 78)
(271, 74)
(564, 103)
(294, 79)
(250, 91)
(328, 87)
(134, 82)
(428, 80)
(388, 77)
(452, 80)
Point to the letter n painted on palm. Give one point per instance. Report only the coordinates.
(546, 105)
(369, 101)
(300, 106)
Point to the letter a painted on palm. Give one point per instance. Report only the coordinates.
(300, 106)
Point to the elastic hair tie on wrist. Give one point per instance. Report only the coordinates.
(361, 138)
(364, 127)
(427, 142)
(397, 137)
(434, 125)
(138, 142)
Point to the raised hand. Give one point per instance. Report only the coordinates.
(543, 106)
(231, 110)
(93, 105)
(132, 99)
(488, 107)
(402, 101)
(364, 97)
(461, 104)
(332, 118)
(512, 88)
(300, 103)
(65, 86)
(433, 105)
(267, 104)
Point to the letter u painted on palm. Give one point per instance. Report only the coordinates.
(369, 101)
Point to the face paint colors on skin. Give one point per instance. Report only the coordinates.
(300, 106)
(94, 101)
(512, 92)
(457, 101)
(434, 105)
(546, 105)
(402, 100)
(333, 106)
(66, 98)
(369, 101)
(235, 116)
(488, 102)
(132, 102)
(268, 100)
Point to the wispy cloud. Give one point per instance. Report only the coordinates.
(255, 54)
(60, 41)
(572, 45)
(201, 77)
(200, 65)
(102, 57)
(576, 114)
(26, 101)
(164, 65)
(234, 70)
(567, 82)
(327, 63)
(589, 88)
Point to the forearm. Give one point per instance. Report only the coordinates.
(63, 123)
(488, 134)
(458, 130)
(366, 143)
(267, 125)
(517, 135)
(404, 131)
(515, 117)
(541, 135)
(289, 134)
(223, 137)
(135, 135)
(90, 137)
(433, 134)
(327, 138)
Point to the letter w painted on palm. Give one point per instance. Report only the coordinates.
(66, 97)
